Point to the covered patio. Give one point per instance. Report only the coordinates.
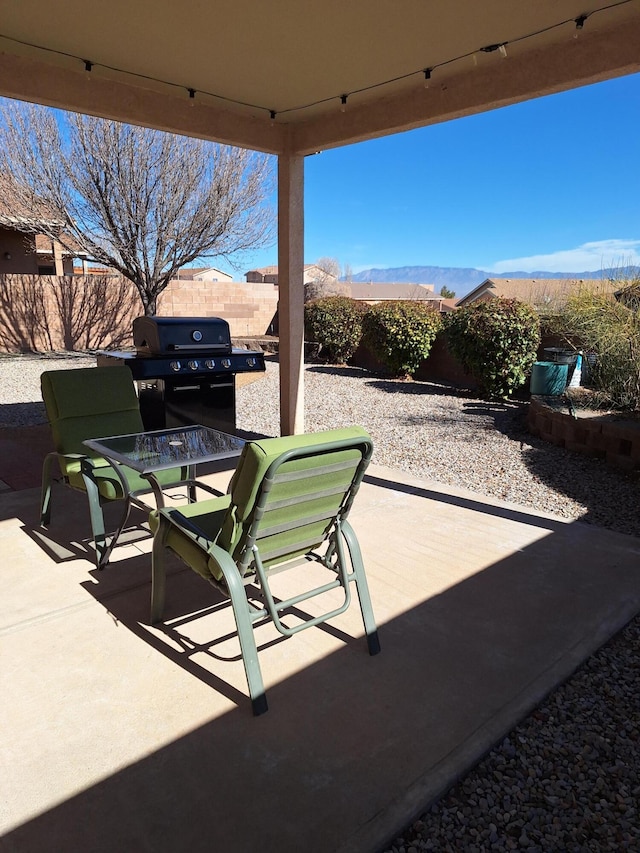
(293, 80)
(120, 736)
(126, 737)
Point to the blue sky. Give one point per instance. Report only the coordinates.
(550, 184)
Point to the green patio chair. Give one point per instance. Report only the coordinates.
(287, 504)
(94, 402)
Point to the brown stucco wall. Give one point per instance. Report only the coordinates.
(23, 258)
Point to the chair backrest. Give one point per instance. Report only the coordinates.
(89, 402)
(287, 493)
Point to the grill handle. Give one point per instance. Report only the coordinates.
(190, 347)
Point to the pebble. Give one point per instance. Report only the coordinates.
(566, 779)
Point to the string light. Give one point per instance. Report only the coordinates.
(579, 23)
(192, 97)
(491, 48)
(272, 116)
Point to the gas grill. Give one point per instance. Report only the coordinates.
(185, 370)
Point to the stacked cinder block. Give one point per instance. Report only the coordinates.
(609, 437)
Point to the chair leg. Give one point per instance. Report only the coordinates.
(103, 548)
(97, 521)
(244, 624)
(45, 500)
(158, 571)
(370, 627)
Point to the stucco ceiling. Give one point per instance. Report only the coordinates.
(271, 74)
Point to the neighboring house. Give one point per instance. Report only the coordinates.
(541, 293)
(373, 292)
(269, 275)
(23, 247)
(31, 253)
(203, 274)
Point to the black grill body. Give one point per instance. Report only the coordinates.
(185, 370)
(159, 335)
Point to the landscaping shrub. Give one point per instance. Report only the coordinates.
(609, 329)
(497, 342)
(335, 322)
(400, 334)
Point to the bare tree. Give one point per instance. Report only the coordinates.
(140, 201)
(327, 281)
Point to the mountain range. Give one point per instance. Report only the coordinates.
(463, 279)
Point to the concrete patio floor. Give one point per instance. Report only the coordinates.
(119, 736)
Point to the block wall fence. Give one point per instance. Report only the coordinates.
(57, 313)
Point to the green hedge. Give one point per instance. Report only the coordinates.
(335, 322)
(400, 334)
(497, 341)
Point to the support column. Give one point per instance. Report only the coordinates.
(56, 249)
(291, 292)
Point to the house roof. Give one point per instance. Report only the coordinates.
(141, 62)
(190, 272)
(370, 290)
(15, 215)
(43, 245)
(273, 269)
(539, 292)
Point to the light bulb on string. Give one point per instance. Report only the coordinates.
(579, 22)
(87, 67)
(192, 97)
(427, 77)
(343, 103)
(272, 117)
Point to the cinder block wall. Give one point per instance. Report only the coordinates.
(249, 309)
(56, 313)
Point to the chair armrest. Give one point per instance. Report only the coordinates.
(180, 520)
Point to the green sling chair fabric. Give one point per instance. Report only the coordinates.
(286, 498)
(84, 403)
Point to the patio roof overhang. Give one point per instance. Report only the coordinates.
(273, 77)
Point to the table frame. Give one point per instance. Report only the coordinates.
(147, 464)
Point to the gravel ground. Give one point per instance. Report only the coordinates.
(568, 777)
(454, 438)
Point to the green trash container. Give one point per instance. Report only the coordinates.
(548, 378)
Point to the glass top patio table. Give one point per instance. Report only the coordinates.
(156, 450)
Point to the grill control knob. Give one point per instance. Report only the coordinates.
(226, 362)
(175, 366)
(251, 362)
(196, 335)
(209, 364)
(193, 364)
